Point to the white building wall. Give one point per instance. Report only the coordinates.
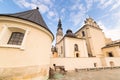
(59, 50)
(31, 57)
(69, 47)
(73, 63)
(37, 46)
(115, 60)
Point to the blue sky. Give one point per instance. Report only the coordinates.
(72, 12)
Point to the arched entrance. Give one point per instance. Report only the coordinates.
(77, 55)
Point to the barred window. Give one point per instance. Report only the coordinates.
(16, 38)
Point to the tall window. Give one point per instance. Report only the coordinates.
(83, 33)
(76, 47)
(16, 38)
(110, 54)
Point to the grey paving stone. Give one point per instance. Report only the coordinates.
(113, 74)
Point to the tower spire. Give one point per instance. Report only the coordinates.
(59, 24)
(59, 33)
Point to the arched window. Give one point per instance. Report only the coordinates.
(77, 54)
(76, 47)
(16, 38)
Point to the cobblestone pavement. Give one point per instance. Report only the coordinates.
(113, 74)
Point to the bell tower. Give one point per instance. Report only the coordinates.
(59, 33)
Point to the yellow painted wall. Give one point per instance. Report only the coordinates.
(35, 51)
(97, 41)
(115, 51)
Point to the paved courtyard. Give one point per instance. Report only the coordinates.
(109, 74)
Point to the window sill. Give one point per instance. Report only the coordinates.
(11, 46)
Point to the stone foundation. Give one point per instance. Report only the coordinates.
(25, 73)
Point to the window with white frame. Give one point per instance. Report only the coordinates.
(14, 37)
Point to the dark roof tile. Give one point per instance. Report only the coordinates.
(31, 15)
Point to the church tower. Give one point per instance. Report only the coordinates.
(59, 33)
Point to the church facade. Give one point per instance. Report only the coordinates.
(86, 48)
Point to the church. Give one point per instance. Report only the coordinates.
(26, 51)
(88, 47)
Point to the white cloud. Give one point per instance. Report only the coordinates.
(51, 13)
(89, 4)
(33, 4)
(77, 18)
(43, 8)
(116, 5)
(22, 3)
(112, 4)
(107, 3)
(79, 11)
(111, 30)
(101, 3)
(49, 2)
(63, 10)
(116, 17)
(110, 33)
(79, 7)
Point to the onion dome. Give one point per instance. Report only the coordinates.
(69, 33)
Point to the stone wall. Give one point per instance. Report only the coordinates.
(112, 61)
(79, 63)
(25, 73)
(84, 63)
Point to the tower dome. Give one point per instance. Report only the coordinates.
(69, 33)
